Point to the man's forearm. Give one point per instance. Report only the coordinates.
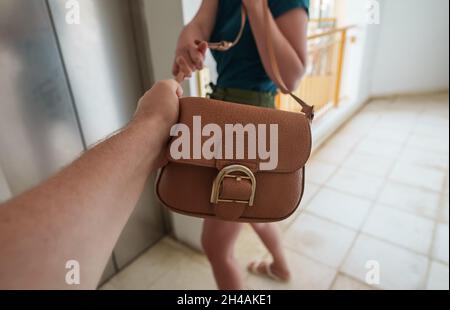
(78, 214)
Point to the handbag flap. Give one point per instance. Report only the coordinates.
(281, 143)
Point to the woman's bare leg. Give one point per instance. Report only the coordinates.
(218, 239)
(270, 235)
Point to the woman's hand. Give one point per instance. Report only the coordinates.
(189, 58)
(192, 46)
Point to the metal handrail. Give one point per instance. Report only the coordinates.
(305, 89)
(330, 32)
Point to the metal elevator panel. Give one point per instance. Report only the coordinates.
(39, 133)
(100, 57)
(62, 85)
(104, 71)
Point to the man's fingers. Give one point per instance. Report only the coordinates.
(175, 87)
(179, 91)
(180, 77)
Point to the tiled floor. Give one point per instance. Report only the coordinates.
(377, 200)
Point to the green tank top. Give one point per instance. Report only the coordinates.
(241, 67)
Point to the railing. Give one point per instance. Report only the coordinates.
(320, 24)
(321, 85)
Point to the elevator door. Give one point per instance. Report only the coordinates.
(39, 132)
(64, 87)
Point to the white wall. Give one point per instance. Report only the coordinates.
(413, 48)
(359, 55)
(357, 71)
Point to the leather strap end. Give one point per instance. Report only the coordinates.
(229, 211)
(306, 108)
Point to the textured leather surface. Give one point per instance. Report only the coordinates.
(186, 189)
(294, 134)
(185, 186)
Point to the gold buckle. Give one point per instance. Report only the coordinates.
(229, 172)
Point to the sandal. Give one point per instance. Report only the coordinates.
(255, 268)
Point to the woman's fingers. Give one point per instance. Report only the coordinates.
(196, 56)
(175, 68)
(202, 47)
(187, 57)
(190, 60)
(184, 67)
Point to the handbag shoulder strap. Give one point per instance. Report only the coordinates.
(226, 45)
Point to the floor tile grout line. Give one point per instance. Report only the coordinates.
(373, 203)
(175, 248)
(394, 244)
(383, 203)
(389, 181)
(353, 195)
(162, 241)
(398, 209)
(339, 268)
(420, 148)
(372, 236)
(386, 179)
(188, 257)
(339, 166)
(360, 231)
(425, 277)
(302, 210)
(312, 258)
(325, 219)
(403, 210)
(351, 277)
(434, 233)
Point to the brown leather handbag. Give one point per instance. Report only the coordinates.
(237, 189)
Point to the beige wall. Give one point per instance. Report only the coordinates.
(4, 188)
(165, 20)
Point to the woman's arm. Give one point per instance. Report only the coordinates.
(79, 213)
(190, 56)
(289, 35)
